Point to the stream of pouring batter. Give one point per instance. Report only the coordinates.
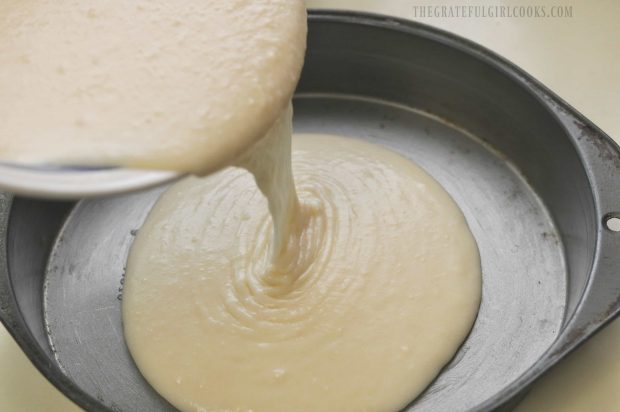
(270, 163)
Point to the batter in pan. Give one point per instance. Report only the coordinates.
(376, 287)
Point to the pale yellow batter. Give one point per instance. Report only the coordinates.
(185, 85)
(384, 288)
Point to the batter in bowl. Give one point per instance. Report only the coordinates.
(184, 85)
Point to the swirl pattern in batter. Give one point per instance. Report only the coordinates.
(376, 289)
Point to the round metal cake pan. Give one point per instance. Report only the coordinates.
(535, 179)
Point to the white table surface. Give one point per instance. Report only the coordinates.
(578, 58)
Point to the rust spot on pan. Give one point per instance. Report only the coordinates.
(606, 149)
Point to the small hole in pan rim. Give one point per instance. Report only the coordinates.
(612, 222)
